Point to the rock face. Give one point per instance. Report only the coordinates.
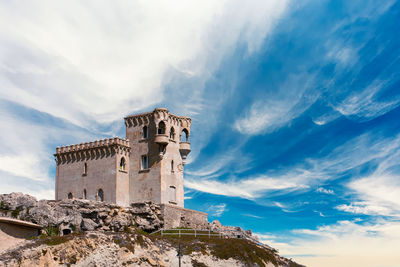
(81, 215)
(133, 249)
(102, 234)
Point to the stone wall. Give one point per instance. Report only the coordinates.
(174, 216)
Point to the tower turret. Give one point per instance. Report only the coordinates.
(160, 145)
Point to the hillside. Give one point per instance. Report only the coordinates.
(108, 235)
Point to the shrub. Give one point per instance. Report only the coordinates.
(51, 231)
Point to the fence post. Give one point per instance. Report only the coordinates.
(161, 233)
(194, 232)
(179, 232)
(209, 233)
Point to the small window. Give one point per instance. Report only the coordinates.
(185, 136)
(70, 196)
(84, 169)
(172, 133)
(145, 132)
(100, 195)
(84, 194)
(172, 166)
(161, 128)
(122, 164)
(145, 162)
(172, 193)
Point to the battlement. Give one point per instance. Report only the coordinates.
(107, 142)
(157, 114)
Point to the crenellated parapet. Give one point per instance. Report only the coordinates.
(94, 149)
(157, 115)
(138, 119)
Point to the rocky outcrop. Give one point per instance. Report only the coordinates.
(81, 215)
(102, 234)
(134, 249)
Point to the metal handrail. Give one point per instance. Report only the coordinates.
(195, 232)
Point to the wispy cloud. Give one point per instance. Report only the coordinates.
(345, 243)
(93, 63)
(379, 195)
(217, 210)
(244, 188)
(106, 61)
(325, 191)
(279, 107)
(253, 216)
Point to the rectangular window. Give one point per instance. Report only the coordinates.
(145, 132)
(145, 162)
(172, 194)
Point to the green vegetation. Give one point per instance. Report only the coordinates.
(141, 232)
(51, 231)
(222, 248)
(4, 208)
(124, 242)
(56, 240)
(198, 264)
(15, 213)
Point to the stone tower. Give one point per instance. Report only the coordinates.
(159, 146)
(146, 166)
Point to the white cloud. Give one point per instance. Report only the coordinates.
(279, 107)
(379, 195)
(325, 191)
(217, 210)
(102, 61)
(96, 62)
(26, 159)
(365, 103)
(250, 188)
(345, 243)
(253, 216)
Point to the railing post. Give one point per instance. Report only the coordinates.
(179, 232)
(209, 233)
(161, 232)
(194, 232)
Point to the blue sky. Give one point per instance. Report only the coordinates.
(295, 108)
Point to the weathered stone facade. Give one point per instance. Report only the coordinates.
(174, 217)
(147, 166)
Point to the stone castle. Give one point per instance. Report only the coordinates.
(146, 166)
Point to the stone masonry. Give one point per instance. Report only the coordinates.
(146, 166)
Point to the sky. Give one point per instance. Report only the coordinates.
(295, 109)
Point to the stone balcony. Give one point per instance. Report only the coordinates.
(184, 149)
(161, 139)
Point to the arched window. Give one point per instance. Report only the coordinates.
(185, 136)
(122, 164)
(172, 193)
(70, 196)
(172, 133)
(100, 194)
(84, 194)
(145, 132)
(161, 128)
(84, 169)
(172, 166)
